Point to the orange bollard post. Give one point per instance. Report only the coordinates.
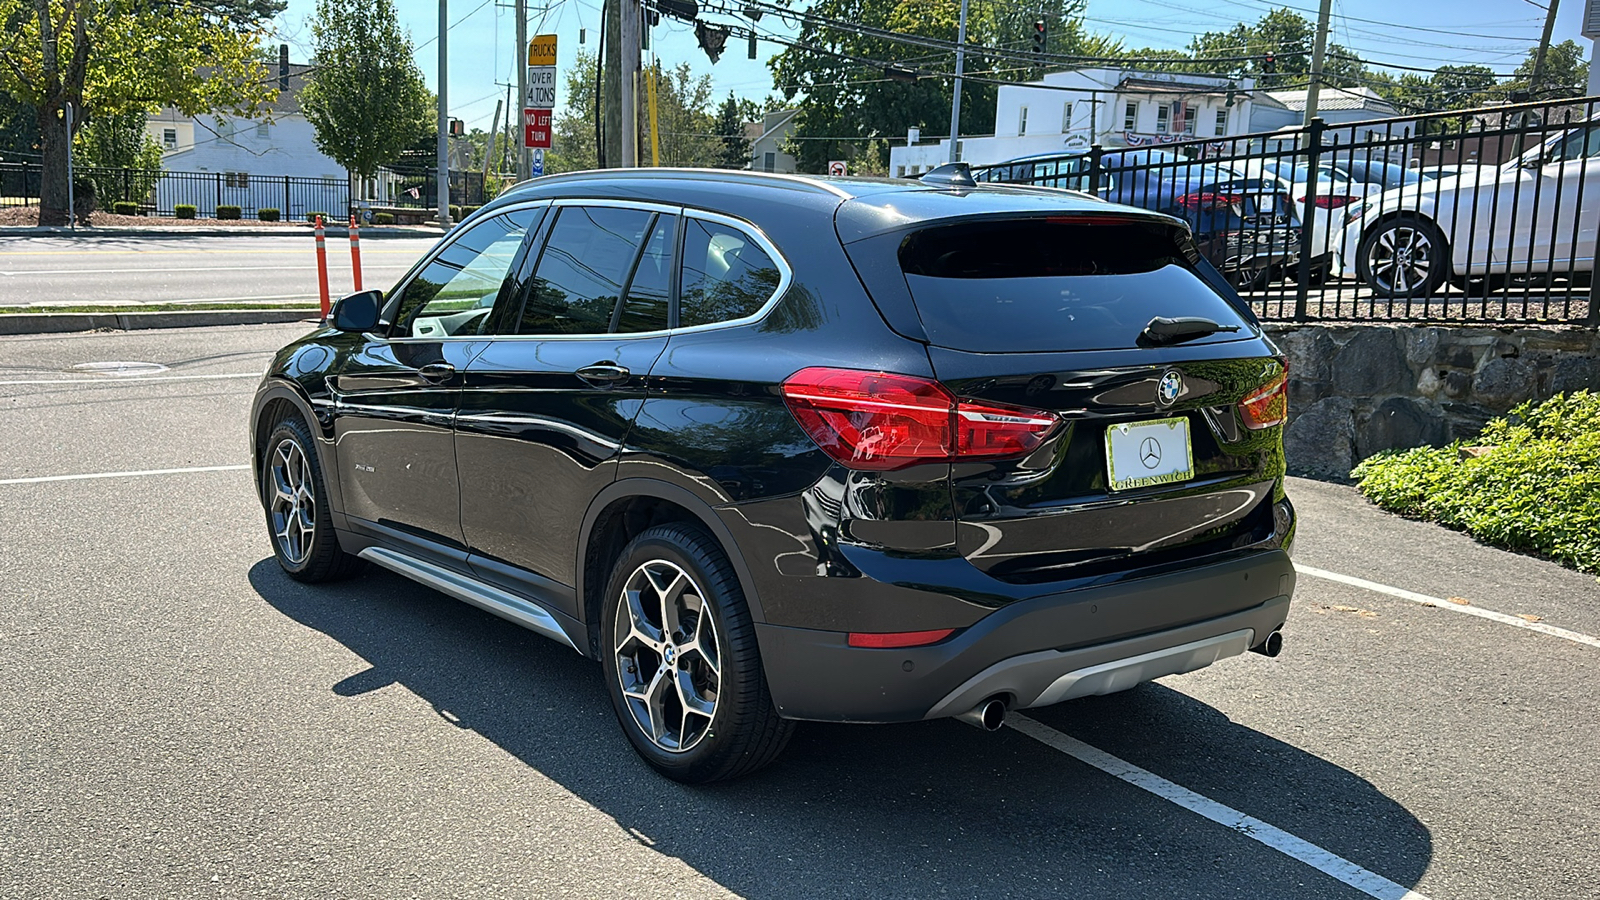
(322, 271)
(355, 251)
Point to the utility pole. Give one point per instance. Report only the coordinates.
(610, 111)
(955, 98)
(1318, 52)
(524, 163)
(444, 114)
(1536, 85)
(494, 140)
(628, 79)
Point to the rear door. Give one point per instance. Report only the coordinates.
(1154, 460)
(546, 406)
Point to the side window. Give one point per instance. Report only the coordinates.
(1581, 144)
(726, 275)
(455, 292)
(645, 306)
(582, 269)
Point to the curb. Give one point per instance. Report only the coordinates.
(368, 232)
(44, 323)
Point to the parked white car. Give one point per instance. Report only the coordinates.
(1335, 191)
(1532, 216)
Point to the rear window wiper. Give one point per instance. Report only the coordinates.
(1163, 330)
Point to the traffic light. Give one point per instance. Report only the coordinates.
(1269, 64)
(1039, 35)
(457, 128)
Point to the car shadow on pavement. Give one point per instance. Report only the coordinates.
(917, 810)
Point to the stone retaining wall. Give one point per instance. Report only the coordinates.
(1355, 390)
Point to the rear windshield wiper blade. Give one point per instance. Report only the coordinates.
(1163, 330)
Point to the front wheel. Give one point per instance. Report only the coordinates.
(1403, 257)
(680, 660)
(296, 500)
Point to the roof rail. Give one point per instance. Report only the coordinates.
(956, 175)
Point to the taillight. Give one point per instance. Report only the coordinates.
(879, 421)
(1208, 200)
(1331, 201)
(1268, 406)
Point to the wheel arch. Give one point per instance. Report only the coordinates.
(627, 507)
(276, 401)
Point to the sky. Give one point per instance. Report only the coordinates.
(1425, 33)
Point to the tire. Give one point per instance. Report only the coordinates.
(678, 649)
(1403, 257)
(295, 497)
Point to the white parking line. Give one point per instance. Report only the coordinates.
(135, 474)
(1467, 610)
(134, 379)
(1324, 861)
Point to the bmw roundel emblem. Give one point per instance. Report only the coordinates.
(1170, 386)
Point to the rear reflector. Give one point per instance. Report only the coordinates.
(1268, 406)
(879, 421)
(882, 641)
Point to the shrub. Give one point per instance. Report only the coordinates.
(469, 210)
(1534, 487)
(184, 210)
(229, 212)
(125, 208)
(267, 214)
(383, 218)
(455, 213)
(312, 218)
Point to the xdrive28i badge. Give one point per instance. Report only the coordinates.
(1168, 388)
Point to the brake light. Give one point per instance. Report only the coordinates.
(1331, 201)
(879, 420)
(884, 640)
(1208, 200)
(1268, 406)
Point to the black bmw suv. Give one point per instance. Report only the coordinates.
(776, 448)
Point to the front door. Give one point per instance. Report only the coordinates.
(545, 409)
(396, 395)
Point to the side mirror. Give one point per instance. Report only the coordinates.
(357, 312)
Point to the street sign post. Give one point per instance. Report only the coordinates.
(837, 167)
(539, 99)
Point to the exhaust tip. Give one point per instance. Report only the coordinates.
(989, 715)
(1270, 647)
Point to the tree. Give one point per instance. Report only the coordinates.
(1288, 37)
(366, 98)
(1566, 73)
(685, 123)
(18, 129)
(123, 161)
(110, 58)
(731, 116)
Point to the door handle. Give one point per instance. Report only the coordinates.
(436, 372)
(604, 373)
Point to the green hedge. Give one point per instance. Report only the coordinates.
(312, 218)
(229, 212)
(455, 213)
(185, 210)
(267, 214)
(1535, 485)
(383, 218)
(125, 208)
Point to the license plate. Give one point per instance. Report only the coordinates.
(1141, 454)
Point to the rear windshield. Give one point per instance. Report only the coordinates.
(1054, 284)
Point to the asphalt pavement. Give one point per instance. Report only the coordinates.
(182, 720)
(133, 270)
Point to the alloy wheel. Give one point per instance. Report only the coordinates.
(668, 664)
(1400, 259)
(294, 503)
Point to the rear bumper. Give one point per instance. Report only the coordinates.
(1051, 648)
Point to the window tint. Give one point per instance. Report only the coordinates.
(580, 273)
(1578, 144)
(1036, 285)
(725, 275)
(645, 307)
(454, 293)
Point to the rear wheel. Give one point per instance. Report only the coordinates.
(1403, 257)
(296, 501)
(680, 659)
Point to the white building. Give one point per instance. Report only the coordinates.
(1069, 111)
(1335, 105)
(271, 161)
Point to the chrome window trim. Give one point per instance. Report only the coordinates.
(748, 229)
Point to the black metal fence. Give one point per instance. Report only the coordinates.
(160, 192)
(1487, 215)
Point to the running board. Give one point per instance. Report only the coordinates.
(491, 599)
